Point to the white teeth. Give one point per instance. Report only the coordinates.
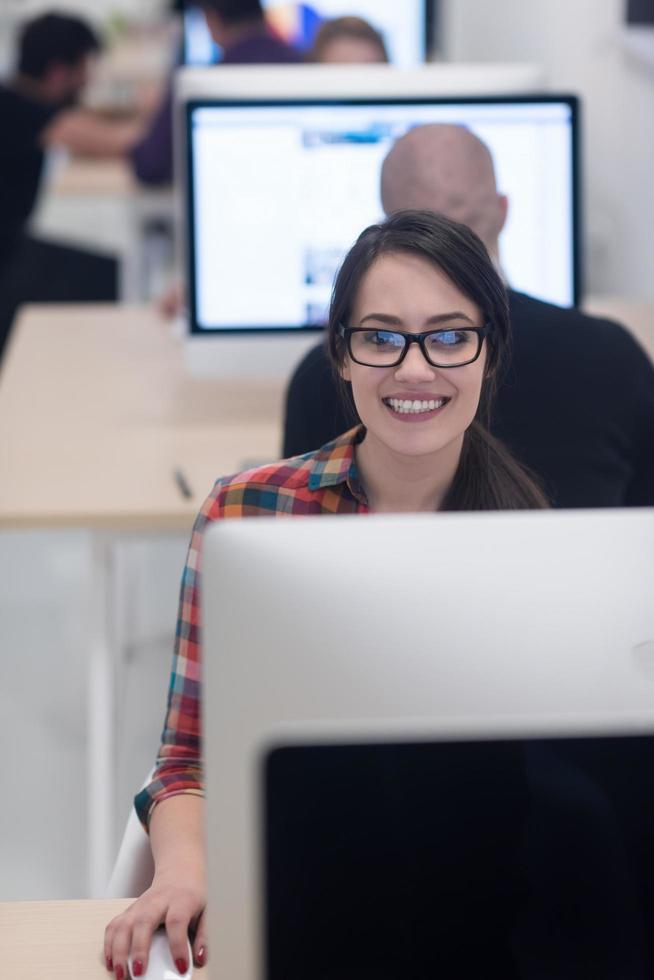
(414, 407)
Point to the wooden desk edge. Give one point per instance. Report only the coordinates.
(133, 522)
(58, 939)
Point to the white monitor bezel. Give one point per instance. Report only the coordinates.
(282, 688)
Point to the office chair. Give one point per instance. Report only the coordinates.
(134, 868)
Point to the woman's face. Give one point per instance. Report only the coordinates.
(405, 292)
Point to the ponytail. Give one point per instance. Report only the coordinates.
(488, 477)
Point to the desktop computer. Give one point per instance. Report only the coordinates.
(278, 186)
(428, 743)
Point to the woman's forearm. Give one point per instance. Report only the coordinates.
(177, 834)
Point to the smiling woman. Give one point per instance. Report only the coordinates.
(418, 325)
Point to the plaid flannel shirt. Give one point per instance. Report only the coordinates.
(321, 482)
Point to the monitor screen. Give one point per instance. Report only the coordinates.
(279, 191)
(402, 25)
(516, 858)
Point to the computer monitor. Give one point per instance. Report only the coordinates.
(511, 654)
(405, 27)
(278, 189)
(244, 350)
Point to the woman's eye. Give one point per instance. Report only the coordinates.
(450, 338)
(381, 338)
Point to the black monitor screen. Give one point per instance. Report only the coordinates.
(461, 859)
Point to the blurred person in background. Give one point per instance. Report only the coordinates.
(348, 40)
(239, 28)
(39, 112)
(344, 40)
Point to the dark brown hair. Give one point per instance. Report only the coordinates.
(350, 27)
(488, 477)
(54, 39)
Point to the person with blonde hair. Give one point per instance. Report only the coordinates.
(348, 40)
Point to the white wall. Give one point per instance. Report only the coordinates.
(98, 10)
(582, 46)
(104, 14)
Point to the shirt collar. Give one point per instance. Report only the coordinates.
(336, 463)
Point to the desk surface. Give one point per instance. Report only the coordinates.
(93, 177)
(57, 940)
(97, 411)
(79, 177)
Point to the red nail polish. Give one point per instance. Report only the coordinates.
(137, 968)
(119, 973)
(200, 956)
(181, 965)
(110, 963)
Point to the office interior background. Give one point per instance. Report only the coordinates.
(585, 47)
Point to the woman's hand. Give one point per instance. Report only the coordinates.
(176, 898)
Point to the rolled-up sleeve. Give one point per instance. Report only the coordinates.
(152, 158)
(179, 762)
(316, 483)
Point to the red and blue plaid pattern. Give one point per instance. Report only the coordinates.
(322, 482)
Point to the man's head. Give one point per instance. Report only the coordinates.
(54, 53)
(445, 168)
(223, 16)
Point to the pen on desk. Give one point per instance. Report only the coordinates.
(182, 483)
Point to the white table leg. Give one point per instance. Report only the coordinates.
(100, 720)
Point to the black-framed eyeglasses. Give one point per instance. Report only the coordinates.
(444, 348)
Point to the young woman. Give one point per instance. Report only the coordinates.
(348, 40)
(418, 325)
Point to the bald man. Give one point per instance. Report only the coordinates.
(449, 167)
(576, 402)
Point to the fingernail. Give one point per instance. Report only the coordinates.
(120, 973)
(200, 955)
(110, 963)
(137, 968)
(181, 965)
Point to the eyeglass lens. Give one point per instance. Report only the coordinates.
(383, 348)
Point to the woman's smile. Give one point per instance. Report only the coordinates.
(409, 407)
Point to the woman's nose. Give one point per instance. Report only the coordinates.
(415, 365)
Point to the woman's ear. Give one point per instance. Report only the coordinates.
(344, 369)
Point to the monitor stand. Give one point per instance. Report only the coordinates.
(248, 356)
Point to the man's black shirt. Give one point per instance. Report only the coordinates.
(32, 270)
(575, 404)
(22, 121)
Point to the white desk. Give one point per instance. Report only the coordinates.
(96, 413)
(96, 405)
